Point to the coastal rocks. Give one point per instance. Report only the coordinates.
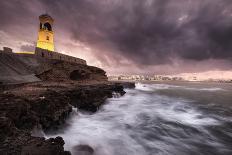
(20, 142)
(52, 108)
(40, 146)
(47, 104)
(61, 71)
(127, 85)
(16, 110)
(6, 128)
(48, 109)
(19, 115)
(20, 68)
(79, 75)
(91, 97)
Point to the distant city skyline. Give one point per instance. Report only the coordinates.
(133, 36)
(205, 76)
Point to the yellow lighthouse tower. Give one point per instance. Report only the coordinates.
(46, 34)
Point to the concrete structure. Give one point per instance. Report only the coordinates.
(45, 54)
(17, 68)
(23, 68)
(58, 56)
(45, 43)
(46, 34)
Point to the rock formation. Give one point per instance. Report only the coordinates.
(45, 104)
(41, 92)
(60, 71)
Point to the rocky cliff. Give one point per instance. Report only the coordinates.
(38, 92)
(56, 70)
(21, 68)
(46, 105)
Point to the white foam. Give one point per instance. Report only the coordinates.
(143, 87)
(115, 129)
(154, 87)
(187, 115)
(205, 89)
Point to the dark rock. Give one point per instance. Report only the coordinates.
(128, 85)
(52, 108)
(23, 108)
(6, 128)
(17, 111)
(61, 71)
(90, 98)
(22, 143)
(25, 105)
(52, 146)
(18, 116)
(79, 75)
(83, 150)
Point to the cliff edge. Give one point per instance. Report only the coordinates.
(25, 68)
(38, 92)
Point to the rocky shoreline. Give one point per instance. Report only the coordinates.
(40, 93)
(47, 104)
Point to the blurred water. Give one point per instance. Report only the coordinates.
(157, 119)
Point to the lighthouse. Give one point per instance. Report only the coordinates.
(45, 44)
(46, 33)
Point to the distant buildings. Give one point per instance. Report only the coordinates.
(145, 78)
(181, 77)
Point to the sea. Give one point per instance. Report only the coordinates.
(155, 118)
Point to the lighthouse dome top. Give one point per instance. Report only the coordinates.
(46, 18)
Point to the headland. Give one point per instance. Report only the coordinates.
(39, 90)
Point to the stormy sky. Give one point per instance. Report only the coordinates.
(128, 36)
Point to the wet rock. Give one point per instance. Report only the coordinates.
(6, 128)
(52, 108)
(129, 85)
(16, 110)
(90, 98)
(52, 146)
(79, 75)
(83, 150)
(47, 102)
(61, 71)
(27, 106)
(19, 115)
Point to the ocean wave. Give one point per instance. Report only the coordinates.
(144, 123)
(204, 89)
(154, 87)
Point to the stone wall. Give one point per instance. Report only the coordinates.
(41, 53)
(58, 56)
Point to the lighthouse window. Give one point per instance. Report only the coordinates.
(48, 27)
(48, 38)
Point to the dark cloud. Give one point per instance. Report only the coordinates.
(212, 25)
(146, 32)
(152, 31)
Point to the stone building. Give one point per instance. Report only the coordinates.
(45, 43)
(46, 34)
